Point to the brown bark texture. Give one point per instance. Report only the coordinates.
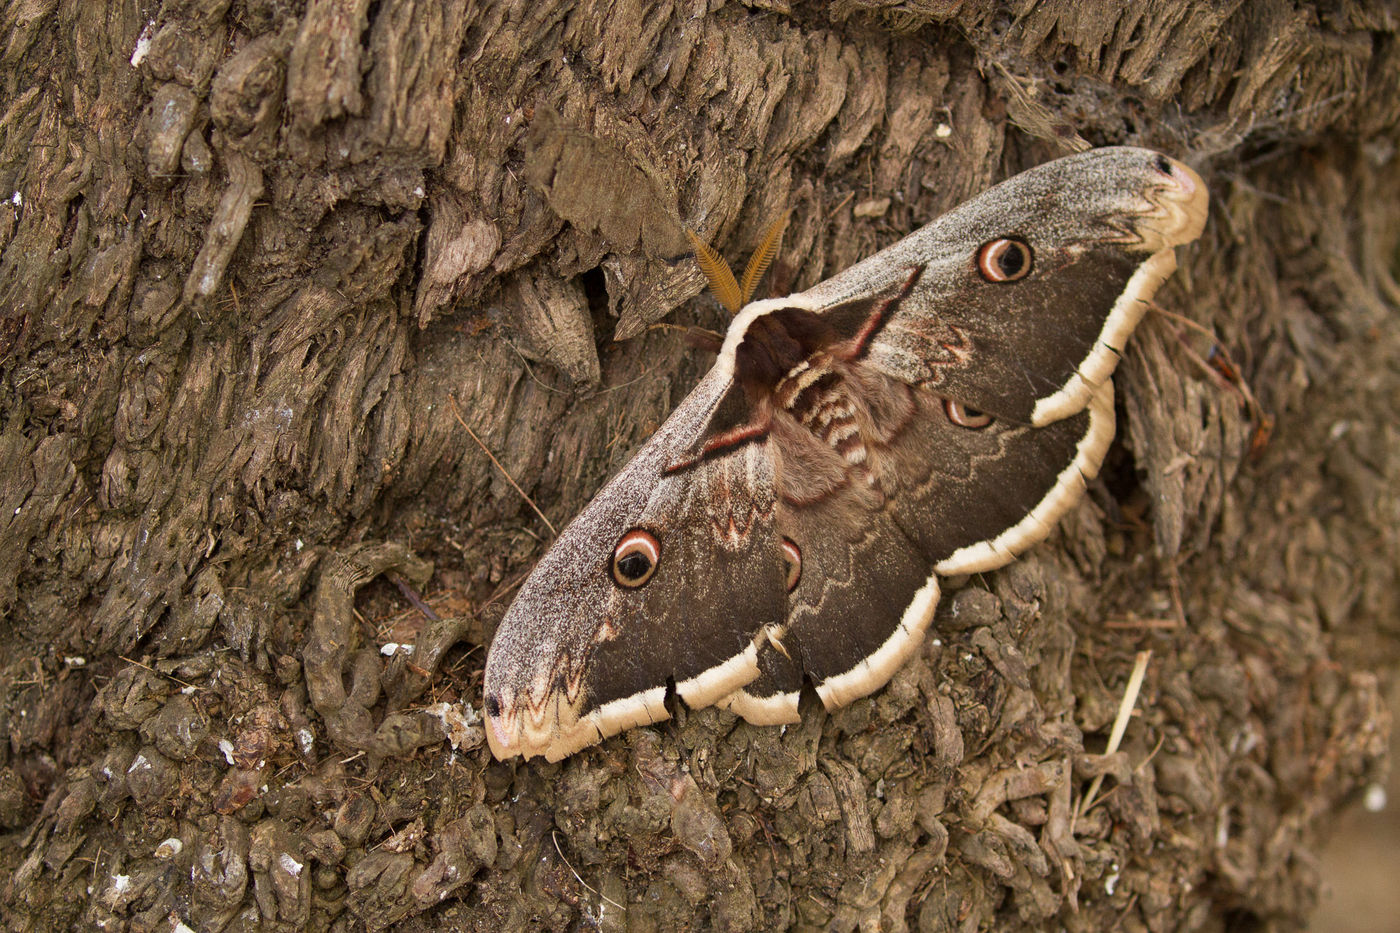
(264, 262)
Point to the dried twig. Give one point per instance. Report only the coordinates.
(1133, 622)
(410, 594)
(148, 667)
(579, 878)
(510, 479)
(1226, 374)
(1120, 725)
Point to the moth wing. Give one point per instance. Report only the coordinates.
(578, 656)
(864, 593)
(946, 500)
(974, 499)
(1100, 226)
(724, 482)
(1035, 351)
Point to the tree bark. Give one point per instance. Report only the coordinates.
(269, 270)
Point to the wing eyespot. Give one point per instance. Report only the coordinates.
(635, 558)
(792, 561)
(965, 417)
(1004, 260)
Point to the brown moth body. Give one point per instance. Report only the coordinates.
(933, 410)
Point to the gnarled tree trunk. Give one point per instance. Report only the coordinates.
(263, 265)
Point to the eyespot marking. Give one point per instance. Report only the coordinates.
(792, 559)
(635, 558)
(1004, 260)
(965, 417)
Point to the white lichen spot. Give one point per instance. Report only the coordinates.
(121, 884)
(169, 848)
(226, 747)
(1374, 799)
(461, 722)
(306, 741)
(874, 207)
(143, 44)
(290, 865)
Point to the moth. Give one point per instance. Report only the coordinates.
(931, 411)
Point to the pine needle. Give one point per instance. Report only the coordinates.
(722, 282)
(1120, 726)
(504, 472)
(763, 256)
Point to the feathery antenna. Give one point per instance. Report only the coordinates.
(763, 255)
(729, 291)
(722, 281)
